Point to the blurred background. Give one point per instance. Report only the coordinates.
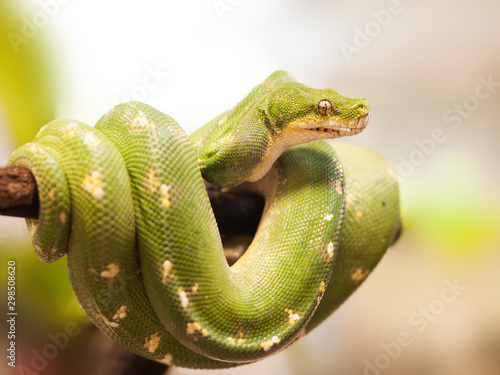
(431, 71)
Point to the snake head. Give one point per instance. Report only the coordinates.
(302, 114)
(298, 114)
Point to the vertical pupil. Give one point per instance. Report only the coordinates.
(324, 107)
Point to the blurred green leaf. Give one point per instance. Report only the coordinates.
(452, 207)
(26, 92)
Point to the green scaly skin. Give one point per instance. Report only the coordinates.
(144, 253)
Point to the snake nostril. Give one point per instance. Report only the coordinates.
(363, 108)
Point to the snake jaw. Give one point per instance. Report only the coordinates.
(335, 129)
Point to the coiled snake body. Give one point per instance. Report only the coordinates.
(126, 202)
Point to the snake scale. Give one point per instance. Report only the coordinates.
(126, 202)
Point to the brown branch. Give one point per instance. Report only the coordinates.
(235, 213)
(18, 193)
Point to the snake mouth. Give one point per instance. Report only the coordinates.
(338, 129)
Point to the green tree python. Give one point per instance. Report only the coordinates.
(126, 202)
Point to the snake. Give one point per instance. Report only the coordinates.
(126, 202)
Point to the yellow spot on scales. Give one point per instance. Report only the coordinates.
(359, 214)
(321, 290)
(153, 342)
(141, 122)
(201, 163)
(196, 328)
(293, 316)
(321, 287)
(330, 250)
(329, 217)
(268, 344)
(183, 297)
(358, 274)
(120, 314)
(107, 322)
(111, 271)
(151, 181)
(170, 194)
(62, 217)
(168, 360)
(238, 341)
(70, 130)
(327, 251)
(195, 289)
(166, 272)
(165, 197)
(92, 184)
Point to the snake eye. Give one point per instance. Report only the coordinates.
(325, 107)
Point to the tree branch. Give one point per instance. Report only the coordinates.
(18, 193)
